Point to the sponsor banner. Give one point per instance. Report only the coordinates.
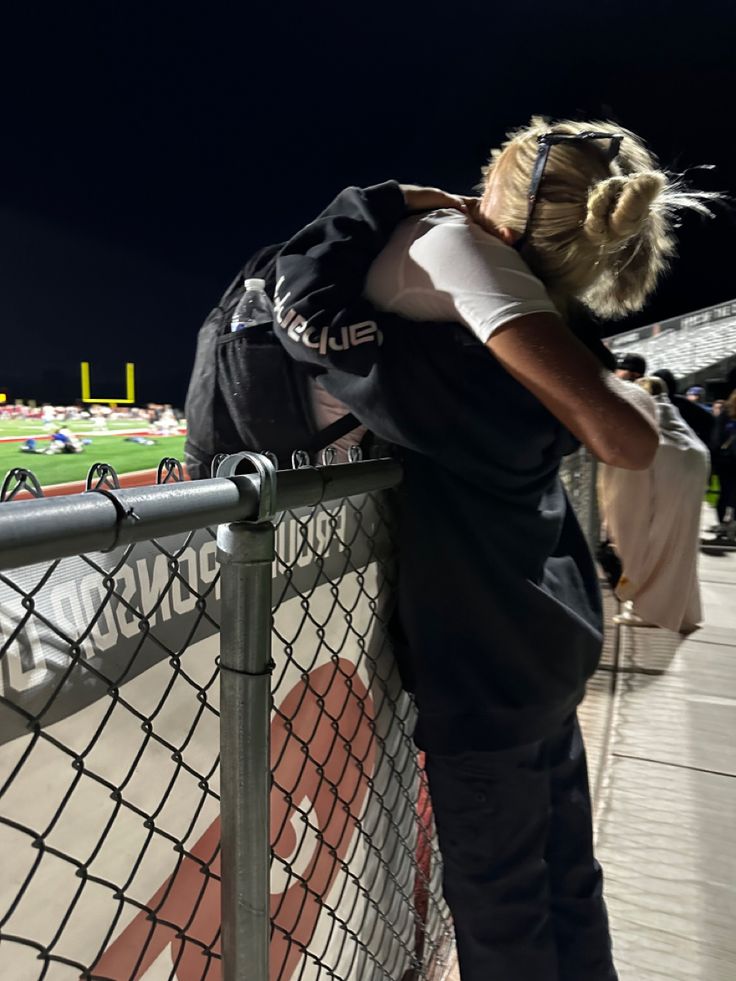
(110, 821)
(72, 629)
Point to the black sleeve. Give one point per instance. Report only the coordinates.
(718, 432)
(378, 364)
(697, 418)
(321, 317)
(399, 377)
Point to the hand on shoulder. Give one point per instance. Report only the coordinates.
(420, 198)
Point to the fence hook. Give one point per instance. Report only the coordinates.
(329, 455)
(102, 475)
(170, 471)
(25, 480)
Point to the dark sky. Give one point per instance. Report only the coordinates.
(148, 150)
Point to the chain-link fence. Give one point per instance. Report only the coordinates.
(579, 473)
(110, 758)
(355, 875)
(126, 841)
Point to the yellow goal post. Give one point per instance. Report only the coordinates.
(129, 386)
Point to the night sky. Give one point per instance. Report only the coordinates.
(149, 149)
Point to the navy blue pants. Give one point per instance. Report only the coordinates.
(520, 877)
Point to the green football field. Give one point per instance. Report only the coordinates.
(108, 448)
(35, 427)
(105, 448)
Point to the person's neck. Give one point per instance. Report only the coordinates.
(487, 214)
(490, 218)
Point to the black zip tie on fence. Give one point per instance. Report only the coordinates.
(123, 514)
(269, 670)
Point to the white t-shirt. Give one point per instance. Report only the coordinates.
(443, 267)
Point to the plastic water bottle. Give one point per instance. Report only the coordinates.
(254, 308)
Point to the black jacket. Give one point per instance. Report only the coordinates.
(723, 441)
(498, 600)
(697, 418)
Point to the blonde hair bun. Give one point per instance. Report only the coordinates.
(619, 207)
(603, 229)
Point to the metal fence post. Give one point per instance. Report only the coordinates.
(245, 552)
(594, 518)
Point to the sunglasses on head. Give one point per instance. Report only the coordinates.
(546, 142)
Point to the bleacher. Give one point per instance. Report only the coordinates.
(689, 346)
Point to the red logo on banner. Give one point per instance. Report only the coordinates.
(322, 757)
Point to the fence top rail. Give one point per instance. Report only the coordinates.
(54, 528)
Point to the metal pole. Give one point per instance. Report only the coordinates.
(245, 552)
(57, 527)
(594, 518)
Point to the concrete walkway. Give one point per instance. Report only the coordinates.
(666, 796)
(660, 724)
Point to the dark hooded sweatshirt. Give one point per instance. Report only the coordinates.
(499, 611)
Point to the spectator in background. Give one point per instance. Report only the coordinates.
(717, 407)
(723, 447)
(630, 367)
(99, 419)
(48, 416)
(166, 424)
(64, 441)
(653, 518)
(696, 393)
(695, 415)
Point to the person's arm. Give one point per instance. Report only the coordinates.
(612, 418)
(454, 270)
(321, 315)
(325, 322)
(366, 355)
